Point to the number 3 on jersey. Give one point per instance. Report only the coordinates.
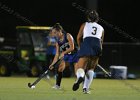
(94, 30)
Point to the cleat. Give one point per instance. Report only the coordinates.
(76, 85)
(86, 91)
(48, 77)
(56, 87)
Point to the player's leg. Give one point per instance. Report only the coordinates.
(87, 81)
(89, 74)
(59, 75)
(80, 73)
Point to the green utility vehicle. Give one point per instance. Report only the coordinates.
(26, 53)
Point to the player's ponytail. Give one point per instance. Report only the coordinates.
(58, 27)
(92, 16)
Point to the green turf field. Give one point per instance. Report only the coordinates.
(15, 88)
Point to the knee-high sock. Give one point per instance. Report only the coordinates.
(58, 78)
(80, 73)
(88, 80)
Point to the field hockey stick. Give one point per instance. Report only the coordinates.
(31, 85)
(107, 73)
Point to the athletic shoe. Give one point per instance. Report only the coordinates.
(76, 85)
(48, 77)
(56, 87)
(86, 91)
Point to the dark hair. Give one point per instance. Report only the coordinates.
(92, 16)
(58, 27)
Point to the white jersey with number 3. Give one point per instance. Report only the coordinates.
(92, 30)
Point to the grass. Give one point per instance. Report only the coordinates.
(15, 88)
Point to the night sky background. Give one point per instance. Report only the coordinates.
(123, 14)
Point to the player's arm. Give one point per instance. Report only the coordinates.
(57, 54)
(80, 34)
(102, 38)
(71, 44)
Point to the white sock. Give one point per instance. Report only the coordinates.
(88, 80)
(80, 73)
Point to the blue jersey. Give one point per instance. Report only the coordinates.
(51, 50)
(64, 45)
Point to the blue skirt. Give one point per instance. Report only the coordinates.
(90, 47)
(71, 58)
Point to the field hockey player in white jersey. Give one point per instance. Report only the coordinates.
(90, 49)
